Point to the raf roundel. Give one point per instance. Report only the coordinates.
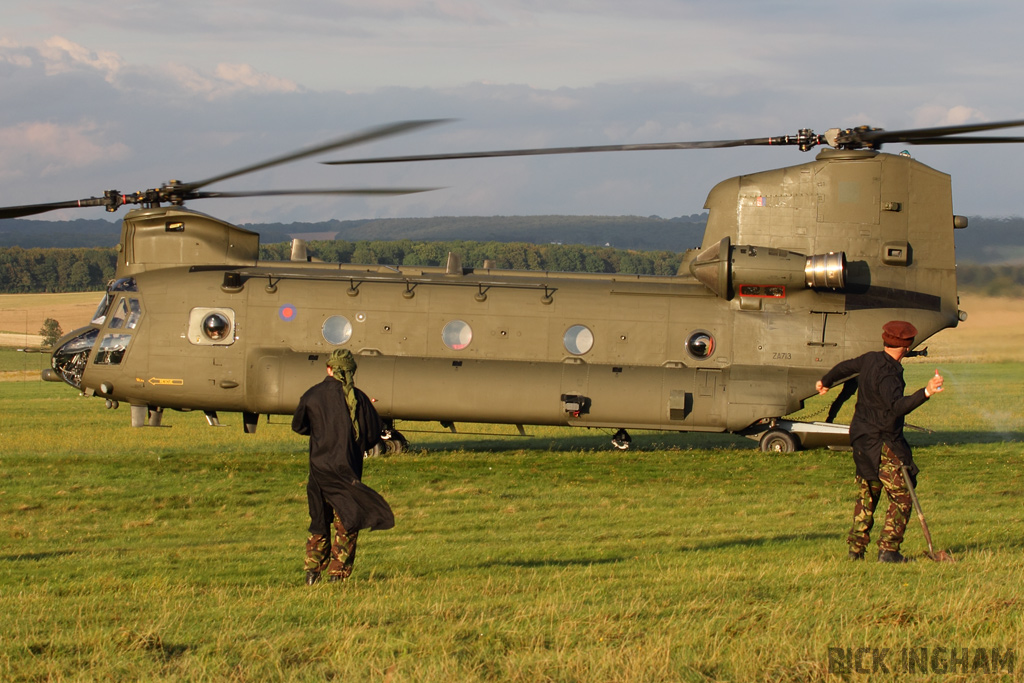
(287, 313)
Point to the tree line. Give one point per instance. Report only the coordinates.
(513, 255)
(89, 269)
(82, 269)
(25, 271)
(990, 280)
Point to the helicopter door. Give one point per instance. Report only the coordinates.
(708, 399)
(619, 396)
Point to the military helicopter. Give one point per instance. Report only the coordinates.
(799, 268)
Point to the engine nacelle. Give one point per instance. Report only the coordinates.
(763, 271)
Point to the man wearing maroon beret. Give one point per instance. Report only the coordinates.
(876, 434)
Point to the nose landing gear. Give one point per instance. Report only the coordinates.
(622, 439)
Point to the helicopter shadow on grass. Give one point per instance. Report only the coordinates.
(839, 536)
(36, 557)
(964, 438)
(592, 440)
(755, 542)
(600, 440)
(551, 562)
(961, 550)
(760, 541)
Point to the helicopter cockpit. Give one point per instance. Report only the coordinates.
(119, 313)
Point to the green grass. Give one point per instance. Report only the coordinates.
(12, 360)
(175, 553)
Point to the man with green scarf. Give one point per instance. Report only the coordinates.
(342, 425)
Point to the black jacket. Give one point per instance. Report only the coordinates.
(336, 459)
(881, 406)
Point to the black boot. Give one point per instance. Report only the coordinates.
(892, 556)
(312, 576)
(857, 554)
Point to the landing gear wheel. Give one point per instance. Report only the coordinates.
(621, 440)
(396, 444)
(392, 442)
(779, 441)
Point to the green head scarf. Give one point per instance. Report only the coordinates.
(343, 368)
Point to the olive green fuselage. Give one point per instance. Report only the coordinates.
(739, 335)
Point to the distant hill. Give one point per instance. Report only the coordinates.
(985, 241)
(96, 232)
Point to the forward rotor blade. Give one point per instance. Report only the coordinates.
(913, 135)
(956, 140)
(706, 144)
(33, 209)
(278, 193)
(347, 141)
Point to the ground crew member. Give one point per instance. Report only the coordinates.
(876, 434)
(342, 425)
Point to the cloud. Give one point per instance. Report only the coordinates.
(936, 115)
(61, 56)
(244, 77)
(227, 80)
(41, 149)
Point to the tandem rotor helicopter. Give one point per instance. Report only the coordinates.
(799, 268)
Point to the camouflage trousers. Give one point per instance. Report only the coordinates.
(890, 478)
(337, 557)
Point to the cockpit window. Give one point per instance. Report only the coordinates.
(134, 313)
(125, 284)
(112, 349)
(126, 314)
(119, 314)
(100, 316)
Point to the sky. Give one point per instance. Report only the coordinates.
(130, 94)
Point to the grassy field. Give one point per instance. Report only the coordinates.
(175, 554)
(22, 315)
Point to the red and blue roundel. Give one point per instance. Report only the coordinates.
(287, 313)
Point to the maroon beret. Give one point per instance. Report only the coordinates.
(898, 333)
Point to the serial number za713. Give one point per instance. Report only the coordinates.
(782, 355)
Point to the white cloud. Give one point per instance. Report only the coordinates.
(41, 149)
(228, 79)
(936, 115)
(243, 76)
(62, 55)
(12, 53)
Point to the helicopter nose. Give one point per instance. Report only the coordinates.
(71, 355)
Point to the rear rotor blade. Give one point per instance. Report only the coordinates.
(924, 136)
(705, 144)
(855, 138)
(964, 140)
